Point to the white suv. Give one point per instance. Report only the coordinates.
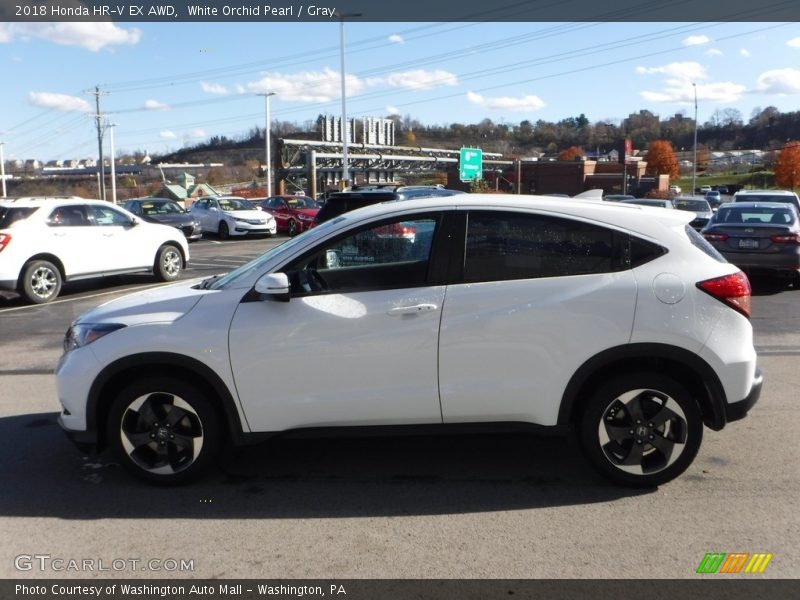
(47, 241)
(488, 312)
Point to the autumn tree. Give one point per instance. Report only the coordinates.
(571, 153)
(661, 159)
(787, 167)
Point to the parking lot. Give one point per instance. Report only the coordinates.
(477, 506)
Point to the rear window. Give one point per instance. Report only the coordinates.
(11, 214)
(756, 215)
(698, 241)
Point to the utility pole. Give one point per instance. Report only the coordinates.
(267, 141)
(98, 117)
(694, 158)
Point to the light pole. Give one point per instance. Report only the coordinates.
(111, 127)
(267, 141)
(3, 168)
(345, 158)
(694, 159)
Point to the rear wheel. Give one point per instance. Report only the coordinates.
(224, 232)
(168, 264)
(163, 430)
(642, 429)
(41, 281)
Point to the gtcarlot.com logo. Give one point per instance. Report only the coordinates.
(736, 562)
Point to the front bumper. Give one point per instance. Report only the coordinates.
(85, 441)
(738, 410)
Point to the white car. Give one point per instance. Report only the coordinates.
(232, 216)
(47, 241)
(502, 312)
(675, 189)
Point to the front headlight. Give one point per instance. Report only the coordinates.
(306, 218)
(81, 334)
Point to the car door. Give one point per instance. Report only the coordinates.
(357, 342)
(277, 208)
(202, 209)
(122, 245)
(74, 239)
(533, 297)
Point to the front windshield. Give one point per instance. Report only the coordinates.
(257, 263)
(234, 204)
(301, 202)
(161, 208)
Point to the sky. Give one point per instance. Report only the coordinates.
(167, 85)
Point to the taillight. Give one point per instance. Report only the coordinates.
(788, 238)
(733, 290)
(4, 240)
(716, 237)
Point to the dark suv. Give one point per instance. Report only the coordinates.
(342, 202)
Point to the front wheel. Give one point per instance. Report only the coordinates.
(292, 227)
(642, 429)
(163, 430)
(223, 231)
(168, 264)
(41, 281)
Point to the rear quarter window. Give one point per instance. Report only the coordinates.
(698, 241)
(12, 214)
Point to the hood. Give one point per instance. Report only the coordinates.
(171, 219)
(164, 304)
(248, 214)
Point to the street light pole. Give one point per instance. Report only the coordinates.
(111, 127)
(694, 159)
(3, 168)
(268, 141)
(345, 157)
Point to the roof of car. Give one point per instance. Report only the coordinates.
(756, 204)
(50, 200)
(763, 192)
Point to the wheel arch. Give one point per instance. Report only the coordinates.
(177, 245)
(680, 364)
(121, 372)
(51, 258)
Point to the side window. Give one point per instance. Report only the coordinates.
(68, 216)
(105, 216)
(394, 254)
(508, 245)
(274, 203)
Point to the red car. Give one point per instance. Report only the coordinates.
(293, 214)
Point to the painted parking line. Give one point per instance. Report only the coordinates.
(88, 297)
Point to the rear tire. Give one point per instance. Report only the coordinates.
(642, 429)
(41, 281)
(163, 430)
(168, 263)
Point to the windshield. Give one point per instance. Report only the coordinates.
(161, 208)
(234, 204)
(301, 202)
(695, 205)
(257, 263)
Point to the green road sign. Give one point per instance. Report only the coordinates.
(470, 164)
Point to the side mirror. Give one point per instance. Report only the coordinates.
(275, 285)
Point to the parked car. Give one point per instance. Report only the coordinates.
(342, 202)
(768, 196)
(658, 202)
(701, 209)
(675, 189)
(705, 188)
(293, 214)
(231, 216)
(45, 242)
(164, 379)
(166, 212)
(714, 199)
(618, 197)
(758, 236)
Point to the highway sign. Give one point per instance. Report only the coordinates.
(470, 164)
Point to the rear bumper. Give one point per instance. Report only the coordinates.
(738, 410)
(782, 261)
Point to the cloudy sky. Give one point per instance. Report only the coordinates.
(166, 85)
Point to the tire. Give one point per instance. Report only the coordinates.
(163, 430)
(223, 231)
(168, 263)
(41, 281)
(291, 227)
(642, 429)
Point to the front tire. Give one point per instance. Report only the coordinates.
(163, 430)
(168, 263)
(223, 231)
(642, 429)
(41, 281)
(292, 227)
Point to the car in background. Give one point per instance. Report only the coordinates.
(229, 216)
(618, 197)
(705, 188)
(45, 242)
(657, 202)
(714, 198)
(166, 212)
(701, 209)
(293, 214)
(343, 202)
(768, 196)
(675, 189)
(758, 236)
(496, 299)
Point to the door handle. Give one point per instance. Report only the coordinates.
(412, 310)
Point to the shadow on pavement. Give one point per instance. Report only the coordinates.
(45, 476)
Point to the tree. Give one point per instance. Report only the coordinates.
(661, 159)
(571, 153)
(787, 167)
